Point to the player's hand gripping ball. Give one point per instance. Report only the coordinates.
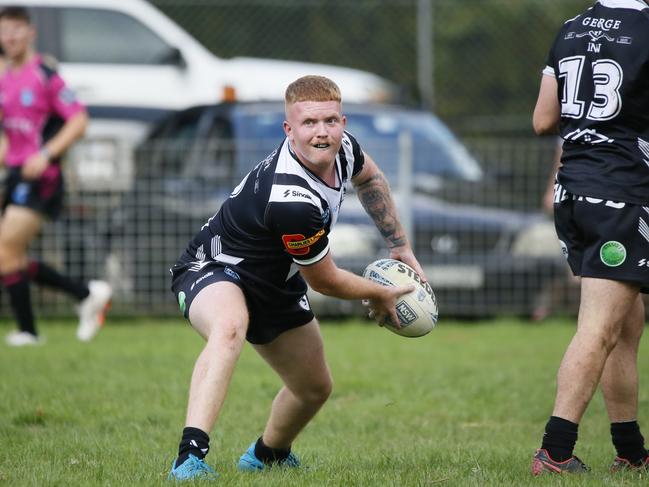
(417, 310)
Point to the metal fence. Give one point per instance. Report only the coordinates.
(485, 245)
(477, 63)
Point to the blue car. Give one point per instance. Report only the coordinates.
(480, 260)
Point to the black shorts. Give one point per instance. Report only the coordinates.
(44, 195)
(270, 315)
(603, 239)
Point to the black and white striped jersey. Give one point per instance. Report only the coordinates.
(279, 215)
(601, 62)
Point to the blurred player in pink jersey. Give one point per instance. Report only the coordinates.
(31, 92)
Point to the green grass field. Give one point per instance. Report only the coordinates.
(463, 406)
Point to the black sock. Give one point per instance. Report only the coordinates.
(43, 273)
(17, 285)
(628, 441)
(560, 438)
(270, 455)
(194, 441)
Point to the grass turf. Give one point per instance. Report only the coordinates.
(463, 406)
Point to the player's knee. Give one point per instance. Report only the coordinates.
(633, 327)
(632, 333)
(4, 257)
(318, 391)
(232, 332)
(8, 258)
(608, 340)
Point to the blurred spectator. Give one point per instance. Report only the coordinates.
(30, 92)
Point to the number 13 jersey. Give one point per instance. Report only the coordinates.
(600, 60)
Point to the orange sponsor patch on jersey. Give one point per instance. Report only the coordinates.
(298, 244)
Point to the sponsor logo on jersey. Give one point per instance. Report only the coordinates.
(292, 193)
(603, 24)
(596, 35)
(19, 124)
(600, 31)
(326, 216)
(228, 271)
(296, 194)
(588, 136)
(612, 253)
(181, 302)
(211, 273)
(21, 193)
(564, 248)
(66, 95)
(298, 244)
(643, 263)
(26, 97)
(304, 303)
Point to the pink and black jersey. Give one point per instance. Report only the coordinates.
(279, 215)
(29, 96)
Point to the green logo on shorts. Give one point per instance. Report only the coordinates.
(612, 253)
(181, 301)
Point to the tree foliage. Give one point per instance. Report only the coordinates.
(487, 54)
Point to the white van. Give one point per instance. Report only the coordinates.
(130, 64)
(127, 53)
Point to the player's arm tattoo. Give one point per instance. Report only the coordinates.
(374, 195)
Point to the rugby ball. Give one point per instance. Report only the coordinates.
(417, 310)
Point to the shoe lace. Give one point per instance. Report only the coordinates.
(291, 461)
(625, 462)
(195, 465)
(581, 464)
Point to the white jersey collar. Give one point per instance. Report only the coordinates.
(632, 4)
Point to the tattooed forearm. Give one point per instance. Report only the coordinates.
(374, 195)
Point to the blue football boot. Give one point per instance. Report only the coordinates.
(192, 468)
(250, 463)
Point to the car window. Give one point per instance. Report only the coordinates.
(434, 148)
(436, 151)
(196, 146)
(103, 36)
(435, 144)
(210, 158)
(257, 134)
(188, 160)
(165, 152)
